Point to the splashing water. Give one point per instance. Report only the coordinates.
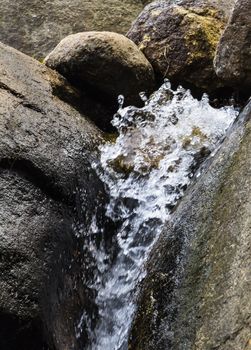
(146, 171)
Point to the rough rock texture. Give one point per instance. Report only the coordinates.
(35, 27)
(105, 62)
(179, 38)
(48, 194)
(233, 57)
(197, 293)
(226, 6)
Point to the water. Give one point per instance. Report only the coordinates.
(146, 170)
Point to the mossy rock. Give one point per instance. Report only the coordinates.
(180, 40)
(197, 290)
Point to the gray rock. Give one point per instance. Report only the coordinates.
(226, 6)
(107, 63)
(48, 195)
(233, 56)
(197, 292)
(35, 27)
(179, 38)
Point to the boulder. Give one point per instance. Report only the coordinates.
(197, 291)
(44, 23)
(179, 38)
(106, 63)
(233, 56)
(49, 193)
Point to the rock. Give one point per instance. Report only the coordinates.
(225, 6)
(100, 112)
(233, 56)
(44, 23)
(180, 38)
(107, 63)
(197, 291)
(48, 196)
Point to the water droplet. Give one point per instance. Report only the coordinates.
(174, 119)
(121, 100)
(167, 84)
(143, 97)
(205, 99)
(232, 101)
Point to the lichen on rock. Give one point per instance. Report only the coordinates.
(180, 40)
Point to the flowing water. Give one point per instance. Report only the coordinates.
(146, 170)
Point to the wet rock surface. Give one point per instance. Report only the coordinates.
(196, 294)
(180, 38)
(107, 63)
(35, 27)
(232, 61)
(48, 195)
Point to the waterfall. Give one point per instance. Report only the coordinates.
(146, 170)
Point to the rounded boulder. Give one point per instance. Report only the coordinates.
(180, 40)
(105, 63)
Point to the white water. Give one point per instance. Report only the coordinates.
(146, 171)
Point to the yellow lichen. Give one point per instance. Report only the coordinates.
(145, 40)
(110, 137)
(203, 31)
(186, 142)
(198, 133)
(121, 165)
(155, 13)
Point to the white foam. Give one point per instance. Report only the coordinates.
(146, 171)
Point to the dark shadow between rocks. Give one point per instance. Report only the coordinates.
(28, 336)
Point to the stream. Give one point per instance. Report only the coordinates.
(146, 170)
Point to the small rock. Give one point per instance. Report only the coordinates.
(106, 62)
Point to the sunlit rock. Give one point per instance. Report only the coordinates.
(107, 63)
(35, 26)
(179, 38)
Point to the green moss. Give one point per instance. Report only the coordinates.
(110, 137)
(41, 60)
(198, 133)
(121, 165)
